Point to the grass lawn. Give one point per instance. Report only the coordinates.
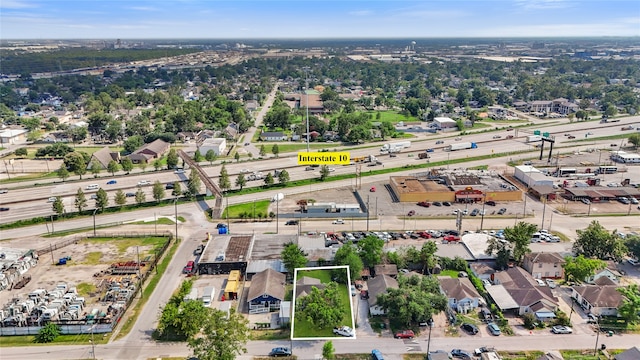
(125, 243)
(84, 289)
(392, 116)
(252, 208)
(449, 273)
(293, 147)
(520, 355)
(303, 328)
(159, 221)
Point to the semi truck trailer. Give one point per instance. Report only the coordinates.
(461, 146)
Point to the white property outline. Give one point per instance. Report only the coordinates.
(293, 309)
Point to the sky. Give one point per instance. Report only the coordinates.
(300, 19)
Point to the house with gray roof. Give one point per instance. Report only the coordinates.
(377, 286)
(266, 292)
(460, 292)
(544, 265)
(386, 269)
(598, 300)
(305, 284)
(629, 354)
(611, 272)
(103, 157)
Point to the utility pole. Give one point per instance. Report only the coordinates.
(368, 211)
(277, 213)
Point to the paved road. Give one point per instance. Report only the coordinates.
(248, 136)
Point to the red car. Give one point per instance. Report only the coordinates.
(424, 204)
(405, 334)
(424, 235)
(451, 238)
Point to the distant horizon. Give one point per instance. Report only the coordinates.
(314, 19)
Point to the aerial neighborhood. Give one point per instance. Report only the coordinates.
(152, 203)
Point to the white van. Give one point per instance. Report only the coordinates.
(93, 187)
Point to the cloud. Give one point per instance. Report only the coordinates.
(543, 4)
(143, 8)
(432, 14)
(15, 4)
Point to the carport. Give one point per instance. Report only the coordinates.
(502, 298)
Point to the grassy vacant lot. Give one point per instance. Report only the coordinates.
(392, 116)
(252, 208)
(123, 244)
(302, 327)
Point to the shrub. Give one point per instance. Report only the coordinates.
(47, 333)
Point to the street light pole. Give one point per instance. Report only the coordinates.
(306, 90)
(484, 201)
(94, 222)
(595, 350)
(175, 214)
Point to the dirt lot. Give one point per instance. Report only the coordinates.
(338, 195)
(88, 257)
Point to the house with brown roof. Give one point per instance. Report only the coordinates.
(305, 284)
(460, 292)
(517, 291)
(482, 270)
(544, 265)
(386, 269)
(150, 151)
(103, 157)
(377, 286)
(629, 354)
(598, 300)
(266, 292)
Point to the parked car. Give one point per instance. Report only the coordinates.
(291, 222)
(439, 142)
(179, 171)
(376, 355)
(491, 203)
(483, 349)
(470, 328)
(198, 250)
(592, 318)
(633, 262)
(404, 334)
(551, 283)
(364, 294)
(437, 203)
(353, 290)
(188, 269)
(446, 203)
(559, 329)
(475, 212)
(424, 204)
(485, 315)
(540, 282)
(585, 201)
(509, 136)
(280, 351)
(344, 331)
(494, 329)
(502, 211)
(169, 186)
(460, 354)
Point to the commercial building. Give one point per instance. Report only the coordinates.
(465, 186)
(218, 145)
(531, 176)
(625, 157)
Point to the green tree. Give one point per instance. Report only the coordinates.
(193, 184)
(157, 164)
(348, 255)
(324, 172)
(75, 162)
(425, 256)
(263, 150)
(197, 157)
(47, 333)
(283, 177)
(293, 257)
(80, 200)
(58, 206)
(21, 151)
(519, 237)
(96, 168)
(417, 299)
(158, 191)
(632, 242)
(127, 164)
(132, 143)
(630, 308)
(596, 242)
(275, 150)
(222, 337)
(172, 159)
(223, 179)
(322, 308)
(210, 156)
(120, 198)
(177, 190)
(102, 199)
(141, 197)
(241, 181)
(237, 156)
(370, 250)
(113, 167)
(502, 249)
(328, 350)
(62, 172)
(633, 139)
(268, 180)
(580, 267)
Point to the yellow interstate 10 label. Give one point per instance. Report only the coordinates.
(323, 158)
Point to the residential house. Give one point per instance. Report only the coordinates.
(231, 131)
(305, 284)
(55, 137)
(515, 290)
(251, 105)
(12, 136)
(186, 136)
(218, 145)
(460, 292)
(150, 151)
(544, 265)
(611, 272)
(103, 157)
(629, 354)
(273, 136)
(482, 270)
(601, 300)
(376, 286)
(386, 269)
(267, 291)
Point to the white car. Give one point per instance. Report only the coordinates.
(179, 171)
(551, 283)
(144, 182)
(633, 262)
(540, 282)
(338, 222)
(353, 290)
(486, 283)
(52, 199)
(344, 331)
(244, 171)
(559, 329)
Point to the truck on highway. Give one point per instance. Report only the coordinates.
(534, 138)
(461, 146)
(207, 296)
(395, 147)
